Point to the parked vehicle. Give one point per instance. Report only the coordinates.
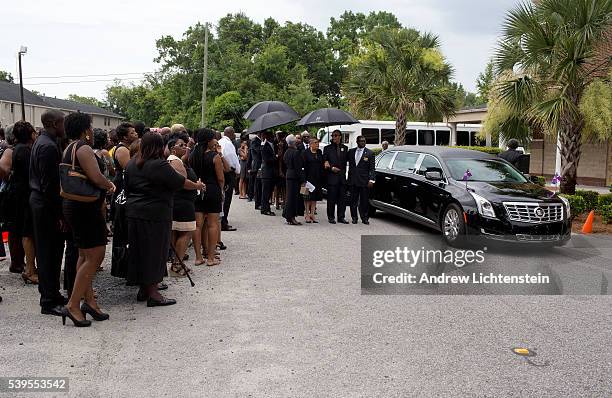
(417, 133)
(426, 184)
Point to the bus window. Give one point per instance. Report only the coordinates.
(426, 137)
(442, 137)
(371, 135)
(388, 135)
(463, 138)
(411, 137)
(345, 137)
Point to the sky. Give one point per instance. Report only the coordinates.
(117, 37)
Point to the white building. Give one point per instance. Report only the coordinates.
(35, 106)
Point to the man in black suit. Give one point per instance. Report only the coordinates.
(512, 155)
(268, 173)
(255, 165)
(335, 157)
(361, 178)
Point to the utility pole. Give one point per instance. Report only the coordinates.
(204, 76)
(23, 50)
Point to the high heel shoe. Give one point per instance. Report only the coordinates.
(30, 278)
(98, 316)
(77, 323)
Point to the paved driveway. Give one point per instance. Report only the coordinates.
(284, 316)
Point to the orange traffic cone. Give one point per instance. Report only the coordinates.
(587, 228)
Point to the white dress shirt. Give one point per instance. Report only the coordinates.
(358, 155)
(229, 153)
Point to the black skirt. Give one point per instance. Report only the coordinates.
(212, 200)
(86, 222)
(149, 245)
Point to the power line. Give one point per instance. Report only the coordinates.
(70, 76)
(86, 81)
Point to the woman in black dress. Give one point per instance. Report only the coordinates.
(150, 183)
(19, 186)
(207, 163)
(294, 178)
(85, 219)
(313, 172)
(183, 213)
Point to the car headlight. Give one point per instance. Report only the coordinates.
(485, 208)
(567, 205)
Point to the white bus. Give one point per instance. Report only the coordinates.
(417, 133)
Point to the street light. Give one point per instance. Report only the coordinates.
(22, 51)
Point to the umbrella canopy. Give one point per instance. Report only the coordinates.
(327, 117)
(271, 120)
(263, 107)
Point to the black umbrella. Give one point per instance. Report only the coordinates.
(271, 120)
(263, 107)
(327, 117)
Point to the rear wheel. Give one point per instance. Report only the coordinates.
(453, 225)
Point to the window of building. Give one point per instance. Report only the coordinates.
(463, 138)
(384, 160)
(388, 135)
(426, 137)
(411, 136)
(475, 139)
(405, 161)
(442, 137)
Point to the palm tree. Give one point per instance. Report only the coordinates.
(400, 73)
(548, 58)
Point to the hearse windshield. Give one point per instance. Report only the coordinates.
(485, 170)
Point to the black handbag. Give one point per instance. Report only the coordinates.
(74, 183)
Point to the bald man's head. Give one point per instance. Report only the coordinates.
(229, 133)
(53, 121)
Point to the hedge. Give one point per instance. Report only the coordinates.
(606, 214)
(590, 198)
(577, 204)
(604, 200)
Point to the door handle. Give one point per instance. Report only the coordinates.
(387, 178)
(414, 184)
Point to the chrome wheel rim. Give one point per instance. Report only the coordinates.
(451, 224)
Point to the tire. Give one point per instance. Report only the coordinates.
(452, 225)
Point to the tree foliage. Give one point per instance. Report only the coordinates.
(5, 76)
(551, 56)
(403, 73)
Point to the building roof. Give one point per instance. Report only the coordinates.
(77, 106)
(10, 92)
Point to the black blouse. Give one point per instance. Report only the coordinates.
(150, 190)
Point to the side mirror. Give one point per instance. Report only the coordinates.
(433, 175)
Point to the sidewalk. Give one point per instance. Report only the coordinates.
(599, 190)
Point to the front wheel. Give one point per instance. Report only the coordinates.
(453, 225)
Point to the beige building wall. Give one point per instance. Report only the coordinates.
(595, 166)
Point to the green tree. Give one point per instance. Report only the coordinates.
(403, 73)
(227, 110)
(86, 100)
(549, 56)
(484, 83)
(5, 76)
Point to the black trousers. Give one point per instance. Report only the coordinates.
(49, 244)
(360, 197)
(267, 186)
(292, 199)
(257, 191)
(230, 181)
(251, 186)
(336, 195)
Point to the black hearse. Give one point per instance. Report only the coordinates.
(463, 192)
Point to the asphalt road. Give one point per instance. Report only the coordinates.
(284, 315)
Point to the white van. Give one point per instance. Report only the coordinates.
(417, 133)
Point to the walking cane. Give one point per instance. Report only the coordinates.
(180, 260)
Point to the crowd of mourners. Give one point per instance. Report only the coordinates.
(155, 191)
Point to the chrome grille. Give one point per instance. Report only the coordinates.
(536, 213)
